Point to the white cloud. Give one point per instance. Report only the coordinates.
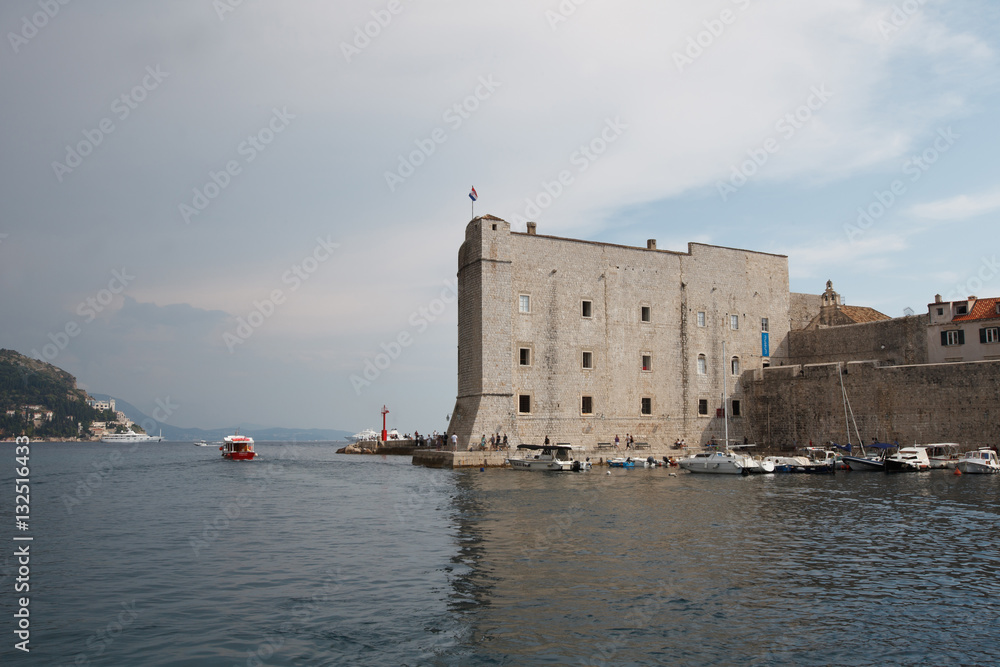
(960, 207)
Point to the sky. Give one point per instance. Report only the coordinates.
(229, 209)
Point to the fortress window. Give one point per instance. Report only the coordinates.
(646, 314)
(734, 322)
(647, 406)
(525, 356)
(763, 325)
(735, 365)
(524, 303)
(702, 366)
(701, 318)
(949, 338)
(702, 406)
(991, 335)
(588, 359)
(587, 405)
(647, 362)
(736, 408)
(524, 403)
(587, 308)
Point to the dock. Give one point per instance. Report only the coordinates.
(432, 458)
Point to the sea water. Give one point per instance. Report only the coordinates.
(165, 554)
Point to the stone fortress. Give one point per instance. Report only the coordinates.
(578, 341)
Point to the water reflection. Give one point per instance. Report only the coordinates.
(640, 567)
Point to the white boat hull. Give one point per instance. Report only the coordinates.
(548, 466)
(968, 467)
(718, 464)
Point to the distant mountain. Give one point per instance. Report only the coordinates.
(180, 434)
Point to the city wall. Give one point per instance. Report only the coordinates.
(894, 342)
(796, 404)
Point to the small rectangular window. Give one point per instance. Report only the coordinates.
(647, 406)
(702, 367)
(763, 324)
(525, 356)
(701, 318)
(587, 405)
(587, 308)
(736, 408)
(524, 303)
(991, 335)
(702, 406)
(962, 310)
(588, 359)
(646, 314)
(940, 311)
(647, 362)
(524, 403)
(949, 338)
(734, 322)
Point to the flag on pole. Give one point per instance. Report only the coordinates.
(472, 195)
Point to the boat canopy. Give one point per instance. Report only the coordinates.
(559, 446)
(847, 448)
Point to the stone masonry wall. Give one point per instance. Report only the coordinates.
(894, 342)
(920, 403)
(496, 267)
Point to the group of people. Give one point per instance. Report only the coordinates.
(495, 442)
(629, 441)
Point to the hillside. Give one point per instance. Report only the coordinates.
(29, 382)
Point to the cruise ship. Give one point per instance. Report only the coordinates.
(131, 436)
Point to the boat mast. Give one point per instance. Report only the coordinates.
(725, 411)
(843, 391)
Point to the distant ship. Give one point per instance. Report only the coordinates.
(131, 436)
(367, 434)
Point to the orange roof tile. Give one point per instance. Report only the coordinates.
(983, 309)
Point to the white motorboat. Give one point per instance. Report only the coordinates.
(364, 436)
(943, 454)
(202, 443)
(131, 436)
(813, 460)
(547, 458)
(980, 461)
(720, 463)
(908, 459)
(869, 460)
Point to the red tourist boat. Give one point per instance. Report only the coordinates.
(238, 448)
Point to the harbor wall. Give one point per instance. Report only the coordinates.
(896, 342)
(794, 404)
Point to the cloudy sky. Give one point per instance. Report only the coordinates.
(167, 169)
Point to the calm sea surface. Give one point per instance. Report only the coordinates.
(171, 556)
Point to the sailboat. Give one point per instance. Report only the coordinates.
(727, 462)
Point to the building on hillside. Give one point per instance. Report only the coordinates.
(966, 330)
(102, 405)
(581, 341)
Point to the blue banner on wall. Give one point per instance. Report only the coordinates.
(765, 345)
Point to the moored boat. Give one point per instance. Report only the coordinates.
(908, 459)
(943, 454)
(621, 462)
(549, 458)
(719, 463)
(979, 462)
(238, 448)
